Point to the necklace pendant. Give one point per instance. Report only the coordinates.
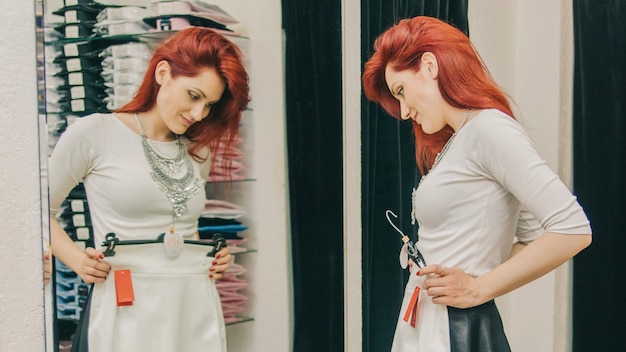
(173, 243)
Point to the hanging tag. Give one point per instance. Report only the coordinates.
(173, 243)
(412, 309)
(404, 256)
(124, 288)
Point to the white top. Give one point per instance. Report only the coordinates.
(107, 156)
(490, 189)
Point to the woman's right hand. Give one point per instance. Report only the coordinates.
(93, 269)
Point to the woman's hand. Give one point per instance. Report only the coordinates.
(47, 267)
(220, 264)
(450, 286)
(93, 269)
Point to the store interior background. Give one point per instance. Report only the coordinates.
(509, 36)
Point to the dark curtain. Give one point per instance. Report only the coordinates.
(599, 169)
(389, 174)
(314, 146)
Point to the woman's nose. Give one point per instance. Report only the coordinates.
(198, 112)
(405, 112)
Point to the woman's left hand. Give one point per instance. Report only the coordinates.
(220, 264)
(47, 267)
(450, 286)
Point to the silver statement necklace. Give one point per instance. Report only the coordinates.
(438, 158)
(177, 190)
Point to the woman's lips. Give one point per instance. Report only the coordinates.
(186, 121)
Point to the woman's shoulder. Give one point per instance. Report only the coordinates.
(493, 122)
(488, 118)
(495, 131)
(93, 122)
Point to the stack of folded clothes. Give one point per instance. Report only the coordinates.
(176, 15)
(53, 99)
(221, 217)
(232, 299)
(120, 21)
(123, 68)
(81, 90)
(71, 291)
(101, 56)
(227, 171)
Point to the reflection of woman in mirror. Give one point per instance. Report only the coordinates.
(492, 216)
(144, 169)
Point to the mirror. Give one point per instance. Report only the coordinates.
(250, 326)
(43, 161)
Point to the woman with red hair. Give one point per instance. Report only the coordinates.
(144, 168)
(492, 215)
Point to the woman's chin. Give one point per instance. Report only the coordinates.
(180, 129)
(427, 129)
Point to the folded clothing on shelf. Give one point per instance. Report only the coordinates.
(216, 208)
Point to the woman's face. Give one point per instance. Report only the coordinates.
(419, 96)
(182, 101)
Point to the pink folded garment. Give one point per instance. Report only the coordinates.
(231, 152)
(237, 249)
(224, 178)
(218, 167)
(232, 309)
(235, 245)
(233, 306)
(232, 297)
(232, 320)
(196, 8)
(220, 171)
(230, 286)
(231, 278)
(235, 269)
(170, 7)
(216, 208)
(236, 242)
(236, 140)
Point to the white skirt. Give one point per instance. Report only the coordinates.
(430, 332)
(176, 306)
(439, 328)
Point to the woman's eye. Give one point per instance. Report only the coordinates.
(400, 91)
(193, 96)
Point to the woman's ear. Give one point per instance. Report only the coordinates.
(429, 63)
(162, 72)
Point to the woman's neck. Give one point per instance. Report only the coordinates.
(154, 127)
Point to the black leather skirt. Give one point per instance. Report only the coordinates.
(477, 329)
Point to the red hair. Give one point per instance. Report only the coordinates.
(463, 78)
(188, 52)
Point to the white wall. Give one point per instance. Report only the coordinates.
(351, 90)
(21, 293)
(527, 45)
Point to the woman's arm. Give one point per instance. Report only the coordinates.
(458, 289)
(88, 265)
(517, 247)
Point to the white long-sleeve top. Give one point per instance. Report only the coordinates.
(490, 189)
(108, 158)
